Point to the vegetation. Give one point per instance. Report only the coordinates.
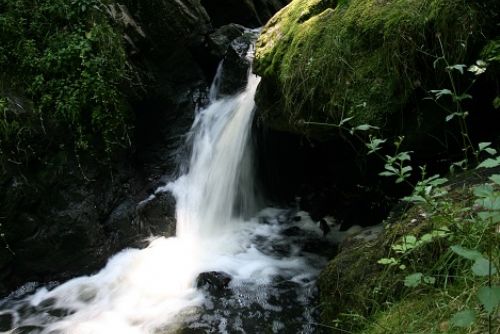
(331, 60)
(62, 64)
(435, 267)
(345, 68)
(433, 270)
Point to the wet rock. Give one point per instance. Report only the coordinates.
(59, 312)
(293, 231)
(323, 225)
(29, 330)
(282, 249)
(221, 39)
(158, 214)
(6, 322)
(213, 281)
(236, 65)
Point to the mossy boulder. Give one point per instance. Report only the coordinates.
(326, 60)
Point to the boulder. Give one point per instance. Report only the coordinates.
(236, 64)
(221, 39)
(213, 281)
(158, 214)
(6, 322)
(323, 61)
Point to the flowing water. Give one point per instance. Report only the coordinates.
(259, 272)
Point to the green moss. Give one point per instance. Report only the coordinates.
(353, 285)
(430, 312)
(362, 58)
(360, 295)
(416, 314)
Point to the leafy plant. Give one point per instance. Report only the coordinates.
(66, 61)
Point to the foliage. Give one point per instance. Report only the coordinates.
(61, 67)
(459, 231)
(331, 60)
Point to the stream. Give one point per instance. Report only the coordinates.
(233, 266)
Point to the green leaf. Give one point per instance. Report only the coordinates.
(426, 238)
(400, 179)
(374, 144)
(462, 97)
(489, 216)
(490, 151)
(414, 199)
(441, 92)
(403, 156)
(410, 240)
(496, 102)
(483, 191)
(450, 117)
(438, 181)
(366, 127)
(388, 261)
(413, 280)
(408, 243)
(489, 163)
(345, 120)
(481, 267)
(458, 67)
(429, 280)
(477, 69)
(466, 253)
(489, 203)
(442, 232)
(495, 178)
(406, 170)
(463, 319)
(489, 298)
(483, 145)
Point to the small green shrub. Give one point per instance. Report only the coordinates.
(65, 61)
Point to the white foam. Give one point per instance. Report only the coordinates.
(140, 291)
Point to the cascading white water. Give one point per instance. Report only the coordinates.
(144, 291)
(206, 194)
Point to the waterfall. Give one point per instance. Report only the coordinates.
(152, 290)
(206, 194)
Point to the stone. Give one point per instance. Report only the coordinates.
(6, 321)
(221, 39)
(293, 231)
(214, 282)
(158, 214)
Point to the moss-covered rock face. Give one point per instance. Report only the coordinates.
(353, 284)
(368, 287)
(324, 60)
